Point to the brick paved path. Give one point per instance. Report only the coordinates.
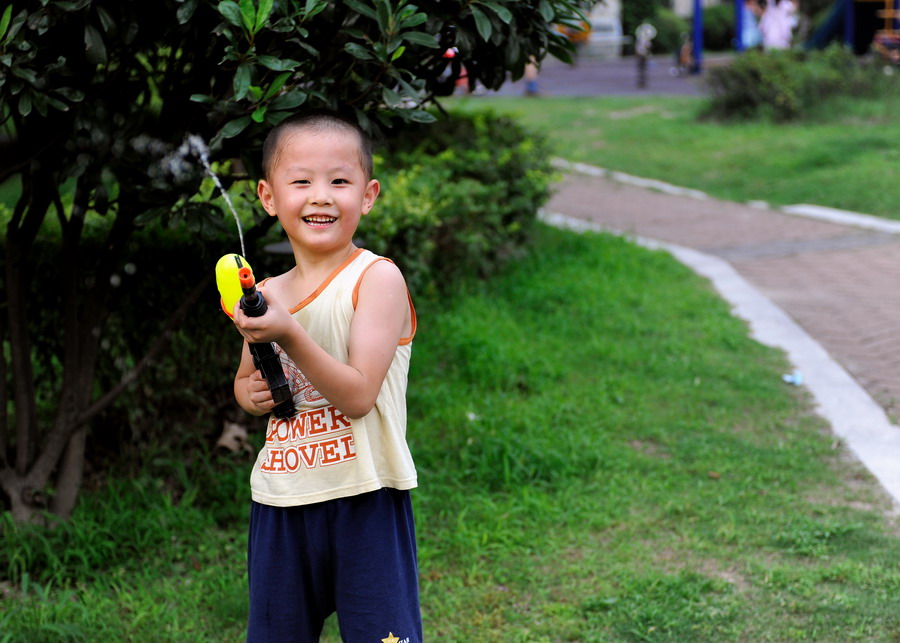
(840, 283)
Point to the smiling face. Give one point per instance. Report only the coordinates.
(318, 189)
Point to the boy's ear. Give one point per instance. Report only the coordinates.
(265, 197)
(372, 191)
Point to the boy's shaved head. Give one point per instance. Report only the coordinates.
(317, 123)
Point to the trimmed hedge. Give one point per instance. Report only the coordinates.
(785, 85)
(459, 198)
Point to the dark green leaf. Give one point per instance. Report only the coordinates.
(413, 21)
(383, 15)
(278, 64)
(202, 98)
(73, 95)
(483, 23)
(95, 49)
(547, 11)
(248, 14)
(74, 5)
(421, 38)
(4, 21)
(262, 14)
(106, 21)
(39, 101)
(25, 104)
(289, 100)
(58, 104)
(16, 24)
(363, 119)
(273, 118)
(361, 8)
(25, 74)
(313, 7)
(230, 11)
(186, 11)
(391, 98)
(312, 51)
(421, 116)
(276, 85)
(502, 12)
(148, 216)
(409, 90)
(241, 81)
(235, 127)
(358, 51)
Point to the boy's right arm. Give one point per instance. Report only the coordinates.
(250, 388)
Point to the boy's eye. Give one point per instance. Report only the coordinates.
(300, 182)
(340, 181)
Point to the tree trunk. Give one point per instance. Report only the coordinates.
(71, 470)
(19, 238)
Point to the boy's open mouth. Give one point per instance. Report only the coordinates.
(319, 220)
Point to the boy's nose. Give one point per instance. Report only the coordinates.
(321, 196)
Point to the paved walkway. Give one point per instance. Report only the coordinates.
(838, 282)
(610, 77)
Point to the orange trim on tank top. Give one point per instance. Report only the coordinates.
(327, 281)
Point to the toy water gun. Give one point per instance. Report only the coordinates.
(235, 281)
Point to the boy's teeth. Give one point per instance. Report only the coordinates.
(319, 219)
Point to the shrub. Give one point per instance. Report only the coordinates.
(458, 198)
(785, 85)
(671, 30)
(718, 27)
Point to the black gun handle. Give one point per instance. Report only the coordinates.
(267, 362)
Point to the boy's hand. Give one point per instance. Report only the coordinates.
(258, 393)
(271, 327)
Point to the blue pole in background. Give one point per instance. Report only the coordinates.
(849, 24)
(698, 37)
(739, 25)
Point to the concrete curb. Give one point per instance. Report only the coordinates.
(854, 416)
(818, 212)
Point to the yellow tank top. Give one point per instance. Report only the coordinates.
(321, 454)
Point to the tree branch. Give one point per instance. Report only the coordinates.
(162, 339)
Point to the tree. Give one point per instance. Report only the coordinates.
(96, 100)
(634, 12)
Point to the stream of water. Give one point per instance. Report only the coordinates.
(198, 146)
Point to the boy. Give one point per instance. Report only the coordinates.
(331, 526)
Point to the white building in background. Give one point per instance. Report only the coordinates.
(606, 37)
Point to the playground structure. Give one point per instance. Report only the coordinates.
(860, 24)
(887, 39)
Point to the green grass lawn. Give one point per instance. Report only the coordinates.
(846, 156)
(603, 454)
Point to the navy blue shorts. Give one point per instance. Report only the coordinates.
(355, 556)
